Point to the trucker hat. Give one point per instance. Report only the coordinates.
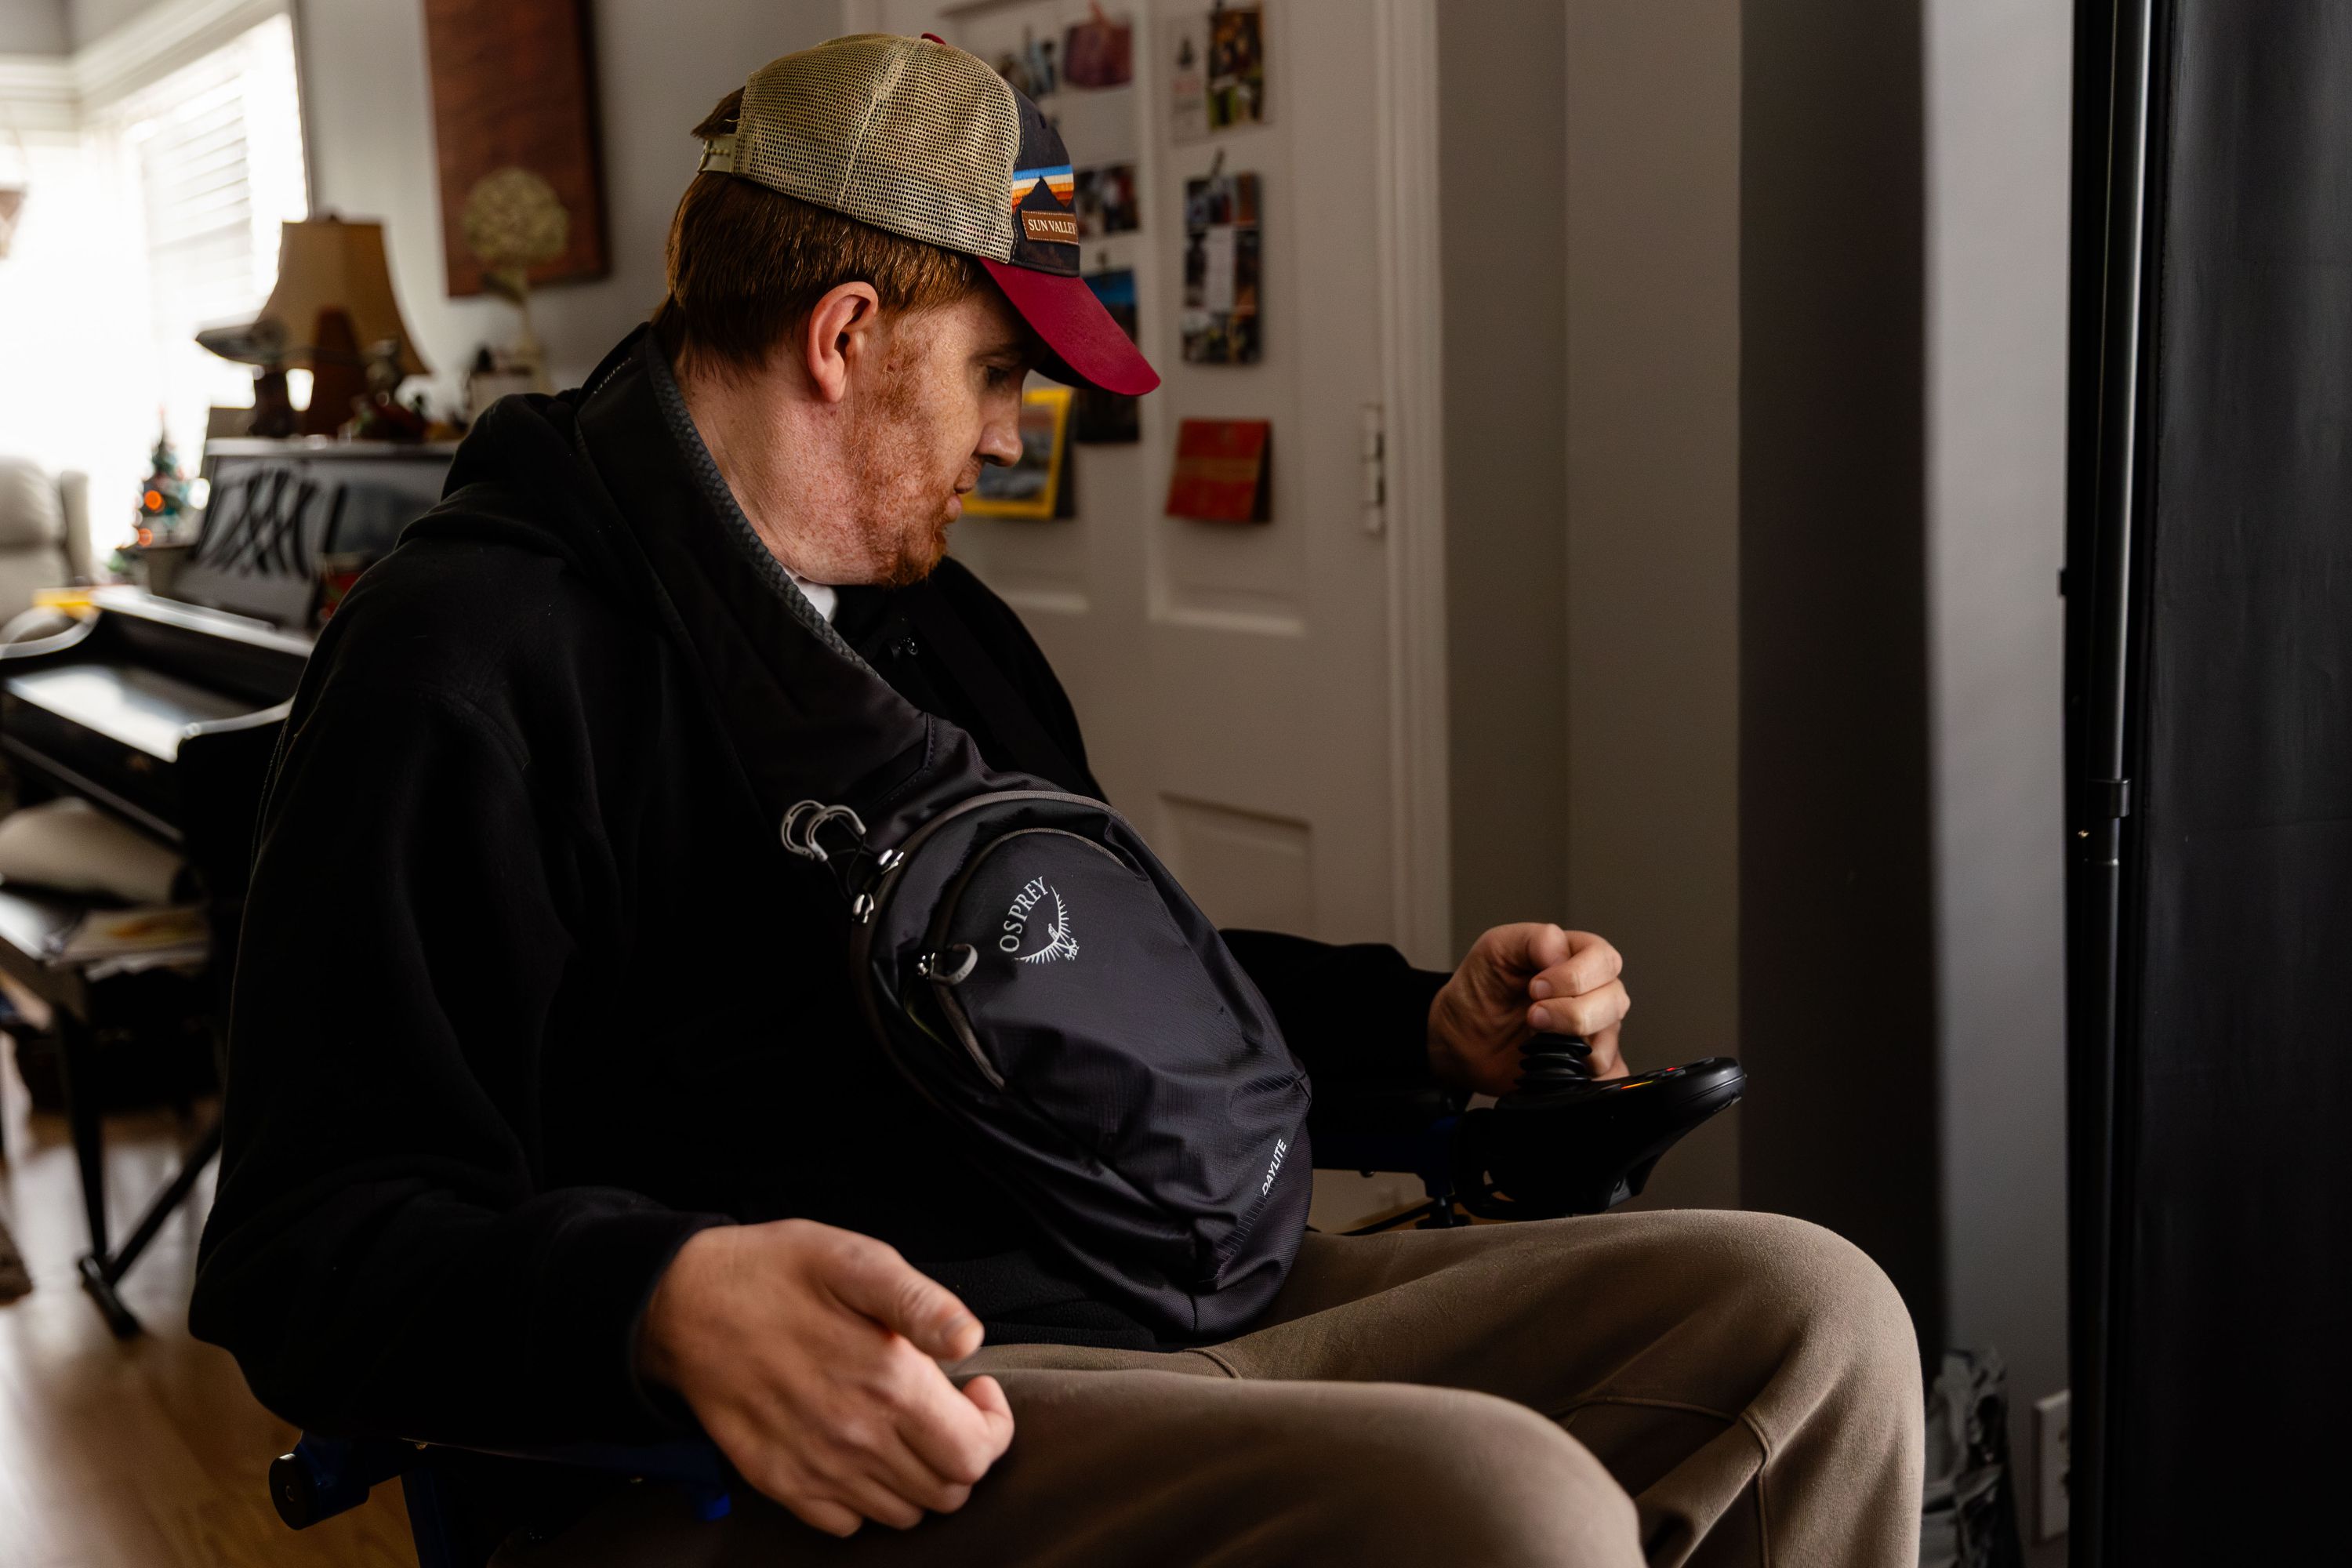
(917, 137)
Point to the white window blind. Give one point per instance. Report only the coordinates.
(154, 212)
(218, 146)
(196, 195)
(212, 156)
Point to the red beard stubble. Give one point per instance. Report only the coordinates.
(901, 501)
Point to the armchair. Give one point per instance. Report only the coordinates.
(44, 531)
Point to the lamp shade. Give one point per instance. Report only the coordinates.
(323, 264)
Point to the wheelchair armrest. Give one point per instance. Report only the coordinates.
(1402, 1128)
(692, 1462)
(1358, 1111)
(323, 1476)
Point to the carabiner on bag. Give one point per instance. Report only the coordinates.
(809, 817)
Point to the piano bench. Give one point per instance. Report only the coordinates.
(94, 1010)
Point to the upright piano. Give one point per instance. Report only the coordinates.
(166, 712)
(166, 715)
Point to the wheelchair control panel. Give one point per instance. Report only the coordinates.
(1560, 1143)
(1563, 1142)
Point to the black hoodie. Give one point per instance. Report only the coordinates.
(529, 993)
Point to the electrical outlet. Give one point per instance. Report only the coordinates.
(2053, 1434)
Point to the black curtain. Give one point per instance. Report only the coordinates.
(2210, 684)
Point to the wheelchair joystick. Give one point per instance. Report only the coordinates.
(1553, 1061)
(1564, 1142)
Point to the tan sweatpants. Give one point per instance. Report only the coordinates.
(1666, 1388)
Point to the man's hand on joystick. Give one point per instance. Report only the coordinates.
(1519, 982)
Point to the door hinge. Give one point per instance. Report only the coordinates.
(2111, 799)
(1374, 457)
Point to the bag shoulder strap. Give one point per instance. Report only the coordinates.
(1009, 715)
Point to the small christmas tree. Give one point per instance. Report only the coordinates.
(163, 494)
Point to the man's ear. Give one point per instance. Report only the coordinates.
(839, 334)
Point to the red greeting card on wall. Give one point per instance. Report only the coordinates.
(1222, 470)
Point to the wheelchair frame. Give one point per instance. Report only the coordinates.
(322, 1476)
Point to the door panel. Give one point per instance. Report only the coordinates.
(1234, 680)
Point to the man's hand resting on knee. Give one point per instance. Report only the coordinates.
(1517, 981)
(810, 1355)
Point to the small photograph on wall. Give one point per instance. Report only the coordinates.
(1185, 45)
(1215, 70)
(1032, 69)
(1223, 471)
(1236, 85)
(1037, 486)
(1222, 264)
(1099, 53)
(1106, 202)
(1109, 417)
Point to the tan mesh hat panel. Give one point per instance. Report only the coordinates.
(911, 137)
(923, 140)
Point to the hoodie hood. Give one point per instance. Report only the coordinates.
(613, 480)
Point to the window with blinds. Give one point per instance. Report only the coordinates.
(153, 213)
(213, 156)
(197, 196)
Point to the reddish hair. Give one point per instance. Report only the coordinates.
(746, 264)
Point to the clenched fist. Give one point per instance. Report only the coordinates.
(1520, 980)
(812, 1356)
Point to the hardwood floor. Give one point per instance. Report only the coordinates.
(149, 1454)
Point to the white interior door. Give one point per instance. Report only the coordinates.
(1238, 683)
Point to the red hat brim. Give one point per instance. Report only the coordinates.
(1084, 345)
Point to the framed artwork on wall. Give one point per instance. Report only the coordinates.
(514, 126)
(1223, 471)
(1037, 486)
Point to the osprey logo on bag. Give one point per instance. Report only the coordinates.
(1026, 937)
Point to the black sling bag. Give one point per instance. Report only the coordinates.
(1025, 963)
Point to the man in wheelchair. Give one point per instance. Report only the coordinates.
(552, 1119)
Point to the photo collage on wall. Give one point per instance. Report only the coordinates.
(1106, 201)
(1220, 323)
(1078, 60)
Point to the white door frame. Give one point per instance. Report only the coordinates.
(1413, 394)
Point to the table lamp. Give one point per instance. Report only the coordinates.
(332, 309)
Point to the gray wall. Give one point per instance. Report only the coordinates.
(1903, 321)
(1589, 160)
(1654, 614)
(659, 70)
(1997, 130)
(1838, 1013)
(1502, 165)
(34, 27)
